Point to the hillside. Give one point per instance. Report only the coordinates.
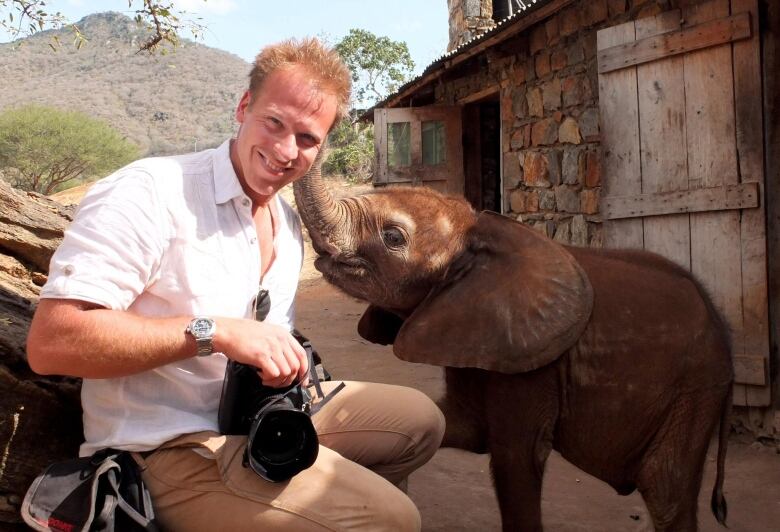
(164, 103)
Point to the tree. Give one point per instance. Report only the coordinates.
(379, 65)
(32, 16)
(351, 151)
(43, 148)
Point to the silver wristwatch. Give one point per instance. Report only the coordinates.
(203, 329)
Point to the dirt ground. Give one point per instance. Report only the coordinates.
(453, 491)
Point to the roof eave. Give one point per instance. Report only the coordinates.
(503, 30)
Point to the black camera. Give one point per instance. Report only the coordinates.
(281, 439)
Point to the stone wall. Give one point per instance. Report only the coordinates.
(550, 116)
(468, 18)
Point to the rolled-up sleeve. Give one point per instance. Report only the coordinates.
(113, 248)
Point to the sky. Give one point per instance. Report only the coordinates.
(242, 27)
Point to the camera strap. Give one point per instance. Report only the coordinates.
(316, 381)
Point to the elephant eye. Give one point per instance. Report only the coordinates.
(393, 237)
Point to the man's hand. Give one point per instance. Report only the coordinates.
(279, 357)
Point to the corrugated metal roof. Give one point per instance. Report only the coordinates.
(526, 7)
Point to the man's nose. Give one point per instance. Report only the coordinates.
(286, 149)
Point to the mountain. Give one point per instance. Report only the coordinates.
(173, 103)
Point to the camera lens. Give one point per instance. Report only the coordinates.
(280, 438)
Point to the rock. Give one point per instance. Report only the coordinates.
(569, 132)
(31, 225)
(551, 94)
(544, 132)
(567, 199)
(40, 417)
(535, 102)
(535, 169)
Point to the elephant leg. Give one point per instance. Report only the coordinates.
(463, 408)
(520, 441)
(670, 474)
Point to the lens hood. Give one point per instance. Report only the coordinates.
(282, 442)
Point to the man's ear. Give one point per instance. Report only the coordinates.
(243, 103)
(379, 326)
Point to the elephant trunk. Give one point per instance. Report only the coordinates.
(326, 218)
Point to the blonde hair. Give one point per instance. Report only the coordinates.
(321, 62)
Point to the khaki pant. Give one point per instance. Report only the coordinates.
(371, 437)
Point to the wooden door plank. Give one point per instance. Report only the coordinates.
(662, 134)
(653, 205)
(380, 145)
(750, 146)
(668, 43)
(712, 160)
(751, 370)
(620, 137)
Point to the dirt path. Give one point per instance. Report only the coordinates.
(454, 492)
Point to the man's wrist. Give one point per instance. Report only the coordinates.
(203, 329)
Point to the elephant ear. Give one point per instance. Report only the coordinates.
(514, 302)
(379, 326)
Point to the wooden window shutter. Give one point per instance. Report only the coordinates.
(419, 146)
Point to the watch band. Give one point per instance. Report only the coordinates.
(205, 347)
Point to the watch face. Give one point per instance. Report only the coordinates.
(202, 327)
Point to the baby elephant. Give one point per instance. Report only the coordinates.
(616, 359)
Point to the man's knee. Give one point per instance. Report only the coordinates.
(397, 512)
(429, 425)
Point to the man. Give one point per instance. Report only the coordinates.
(165, 240)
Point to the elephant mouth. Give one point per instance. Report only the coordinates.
(333, 267)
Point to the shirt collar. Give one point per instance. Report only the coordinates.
(226, 183)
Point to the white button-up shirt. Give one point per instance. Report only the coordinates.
(169, 236)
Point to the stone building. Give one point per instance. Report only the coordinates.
(619, 123)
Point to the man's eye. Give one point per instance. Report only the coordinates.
(393, 237)
(307, 140)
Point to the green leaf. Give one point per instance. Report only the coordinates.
(375, 62)
(58, 146)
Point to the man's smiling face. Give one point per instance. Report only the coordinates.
(282, 129)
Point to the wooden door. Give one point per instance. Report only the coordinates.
(419, 146)
(681, 119)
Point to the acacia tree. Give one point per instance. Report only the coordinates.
(43, 148)
(22, 18)
(379, 65)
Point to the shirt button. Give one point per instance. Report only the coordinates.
(253, 240)
(245, 202)
(68, 269)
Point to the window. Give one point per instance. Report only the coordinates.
(399, 145)
(434, 144)
(419, 146)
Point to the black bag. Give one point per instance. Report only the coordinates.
(103, 492)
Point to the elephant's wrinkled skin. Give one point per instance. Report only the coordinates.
(617, 359)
